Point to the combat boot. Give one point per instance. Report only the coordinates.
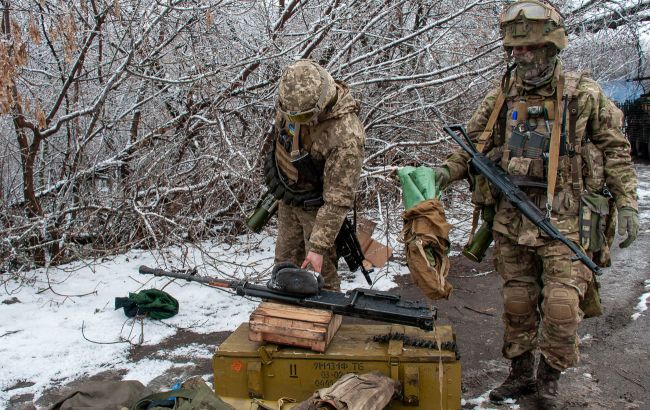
(519, 382)
(547, 378)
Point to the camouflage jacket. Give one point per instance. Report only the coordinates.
(602, 156)
(335, 145)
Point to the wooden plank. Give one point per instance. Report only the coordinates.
(319, 334)
(294, 312)
(293, 326)
(333, 327)
(288, 323)
(255, 336)
(317, 346)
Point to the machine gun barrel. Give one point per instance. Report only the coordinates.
(361, 303)
(515, 196)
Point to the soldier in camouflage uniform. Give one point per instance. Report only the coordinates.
(317, 161)
(515, 126)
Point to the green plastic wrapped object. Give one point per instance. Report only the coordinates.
(411, 195)
(425, 180)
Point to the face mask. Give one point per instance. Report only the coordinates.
(535, 67)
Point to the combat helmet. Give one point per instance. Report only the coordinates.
(305, 90)
(531, 22)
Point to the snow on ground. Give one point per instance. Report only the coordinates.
(643, 301)
(51, 334)
(643, 174)
(483, 403)
(59, 324)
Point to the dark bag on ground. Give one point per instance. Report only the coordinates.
(102, 395)
(194, 394)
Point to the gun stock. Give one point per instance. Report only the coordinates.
(361, 303)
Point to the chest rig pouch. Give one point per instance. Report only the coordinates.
(525, 156)
(290, 172)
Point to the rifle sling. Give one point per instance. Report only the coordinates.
(575, 146)
(482, 142)
(489, 127)
(554, 148)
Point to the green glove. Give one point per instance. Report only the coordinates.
(628, 221)
(442, 177)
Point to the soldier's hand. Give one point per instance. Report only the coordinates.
(442, 177)
(315, 260)
(628, 222)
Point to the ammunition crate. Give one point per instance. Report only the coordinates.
(293, 325)
(430, 376)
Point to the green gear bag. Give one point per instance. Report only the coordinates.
(155, 303)
(194, 394)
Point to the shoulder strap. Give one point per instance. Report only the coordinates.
(554, 147)
(489, 127)
(575, 147)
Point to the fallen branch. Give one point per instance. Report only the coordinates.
(482, 312)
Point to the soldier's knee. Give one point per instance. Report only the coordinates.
(517, 301)
(560, 305)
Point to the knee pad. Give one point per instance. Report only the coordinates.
(517, 301)
(560, 304)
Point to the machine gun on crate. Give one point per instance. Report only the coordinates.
(361, 303)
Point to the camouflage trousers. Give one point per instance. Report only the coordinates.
(294, 229)
(542, 288)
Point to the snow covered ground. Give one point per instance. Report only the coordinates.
(59, 324)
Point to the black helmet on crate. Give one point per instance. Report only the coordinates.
(289, 278)
(304, 92)
(532, 22)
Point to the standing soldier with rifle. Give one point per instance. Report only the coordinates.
(314, 166)
(558, 138)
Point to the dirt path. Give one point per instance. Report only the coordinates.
(614, 372)
(614, 369)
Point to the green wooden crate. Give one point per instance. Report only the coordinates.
(430, 378)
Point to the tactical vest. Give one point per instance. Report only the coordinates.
(521, 129)
(290, 172)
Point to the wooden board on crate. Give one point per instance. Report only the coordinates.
(293, 325)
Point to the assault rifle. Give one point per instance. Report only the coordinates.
(515, 196)
(349, 248)
(347, 243)
(361, 303)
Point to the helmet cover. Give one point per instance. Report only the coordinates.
(305, 90)
(532, 22)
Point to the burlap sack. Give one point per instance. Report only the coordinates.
(370, 391)
(426, 239)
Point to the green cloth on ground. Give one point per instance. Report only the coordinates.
(154, 303)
